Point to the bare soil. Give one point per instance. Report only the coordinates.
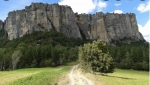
(75, 78)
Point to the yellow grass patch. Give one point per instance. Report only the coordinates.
(6, 77)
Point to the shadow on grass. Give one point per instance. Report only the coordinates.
(116, 76)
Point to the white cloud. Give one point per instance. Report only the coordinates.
(144, 7)
(145, 30)
(118, 11)
(101, 5)
(118, 4)
(84, 6)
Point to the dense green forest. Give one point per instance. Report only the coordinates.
(39, 49)
(42, 49)
(131, 56)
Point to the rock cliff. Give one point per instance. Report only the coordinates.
(41, 17)
(109, 27)
(1, 24)
(45, 17)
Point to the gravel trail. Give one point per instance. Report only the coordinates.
(75, 78)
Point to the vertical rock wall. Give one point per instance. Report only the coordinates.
(109, 27)
(45, 17)
(41, 17)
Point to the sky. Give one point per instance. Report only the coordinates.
(140, 8)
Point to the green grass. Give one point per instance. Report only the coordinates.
(124, 77)
(49, 76)
(32, 76)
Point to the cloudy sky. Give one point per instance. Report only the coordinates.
(140, 8)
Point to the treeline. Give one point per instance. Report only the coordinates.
(131, 56)
(42, 49)
(46, 55)
(39, 49)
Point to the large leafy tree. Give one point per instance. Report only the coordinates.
(94, 57)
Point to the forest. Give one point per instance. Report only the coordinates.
(130, 56)
(50, 49)
(39, 49)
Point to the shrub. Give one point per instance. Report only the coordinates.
(93, 57)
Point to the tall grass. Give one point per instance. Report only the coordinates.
(32, 76)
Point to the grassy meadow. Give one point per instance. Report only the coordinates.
(49, 76)
(121, 77)
(33, 76)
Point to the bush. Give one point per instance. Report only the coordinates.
(93, 57)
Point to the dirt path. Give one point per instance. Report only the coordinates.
(74, 78)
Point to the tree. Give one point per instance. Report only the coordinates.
(15, 59)
(126, 63)
(94, 57)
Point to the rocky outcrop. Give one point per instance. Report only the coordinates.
(1, 24)
(92, 26)
(45, 17)
(109, 27)
(41, 17)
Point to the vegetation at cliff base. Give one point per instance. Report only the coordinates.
(130, 56)
(44, 49)
(39, 49)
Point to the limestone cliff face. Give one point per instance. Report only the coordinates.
(41, 17)
(109, 27)
(92, 26)
(45, 17)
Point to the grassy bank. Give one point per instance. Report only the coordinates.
(32, 76)
(121, 77)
